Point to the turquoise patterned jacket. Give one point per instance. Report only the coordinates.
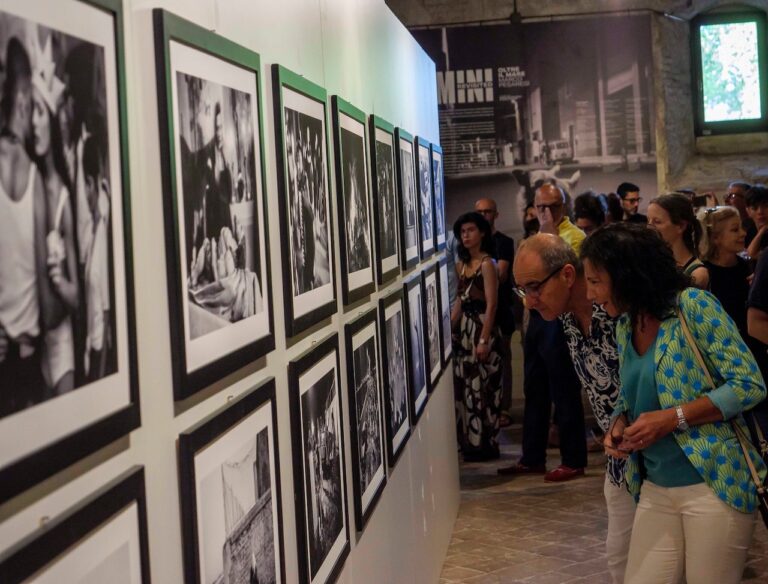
(713, 448)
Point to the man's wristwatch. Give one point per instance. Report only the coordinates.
(682, 423)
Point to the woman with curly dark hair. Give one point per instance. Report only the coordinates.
(476, 339)
(672, 217)
(696, 510)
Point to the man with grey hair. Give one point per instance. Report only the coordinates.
(551, 281)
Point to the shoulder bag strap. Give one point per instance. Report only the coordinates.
(743, 439)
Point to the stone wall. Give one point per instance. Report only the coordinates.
(684, 160)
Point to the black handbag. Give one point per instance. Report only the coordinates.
(745, 441)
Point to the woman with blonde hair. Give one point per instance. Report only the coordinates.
(671, 216)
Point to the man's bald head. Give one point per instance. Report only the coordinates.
(552, 251)
(550, 196)
(488, 209)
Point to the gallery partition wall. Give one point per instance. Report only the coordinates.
(223, 304)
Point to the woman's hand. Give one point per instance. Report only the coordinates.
(649, 428)
(614, 438)
(482, 352)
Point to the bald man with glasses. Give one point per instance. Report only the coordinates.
(549, 374)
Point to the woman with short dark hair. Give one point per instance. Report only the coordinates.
(476, 338)
(696, 510)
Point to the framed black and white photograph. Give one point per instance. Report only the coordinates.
(408, 202)
(353, 201)
(101, 539)
(394, 364)
(426, 204)
(438, 187)
(366, 432)
(305, 205)
(384, 188)
(319, 477)
(215, 206)
(230, 493)
(433, 348)
(445, 311)
(68, 371)
(417, 359)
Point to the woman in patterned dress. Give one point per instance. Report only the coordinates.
(696, 509)
(476, 338)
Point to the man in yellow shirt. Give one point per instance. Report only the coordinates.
(549, 373)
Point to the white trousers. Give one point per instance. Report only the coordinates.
(621, 515)
(687, 531)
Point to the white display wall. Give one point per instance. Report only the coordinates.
(358, 50)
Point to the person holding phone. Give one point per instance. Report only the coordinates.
(696, 509)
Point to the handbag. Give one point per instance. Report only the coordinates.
(744, 440)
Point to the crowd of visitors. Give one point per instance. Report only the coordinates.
(662, 321)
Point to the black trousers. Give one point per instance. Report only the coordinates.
(550, 378)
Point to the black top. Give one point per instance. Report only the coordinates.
(637, 218)
(505, 250)
(731, 288)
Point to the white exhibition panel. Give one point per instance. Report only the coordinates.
(356, 49)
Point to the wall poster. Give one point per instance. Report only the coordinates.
(384, 188)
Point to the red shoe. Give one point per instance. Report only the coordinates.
(519, 468)
(563, 473)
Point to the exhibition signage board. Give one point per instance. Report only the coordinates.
(68, 374)
(230, 493)
(319, 475)
(353, 201)
(306, 226)
(217, 256)
(385, 201)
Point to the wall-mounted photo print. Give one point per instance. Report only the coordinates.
(385, 207)
(68, 376)
(366, 430)
(319, 479)
(445, 312)
(354, 201)
(230, 486)
(101, 539)
(438, 186)
(408, 203)
(394, 359)
(218, 266)
(426, 206)
(417, 358)
(432, 328)
(305, 209)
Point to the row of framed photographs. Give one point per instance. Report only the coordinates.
(70, 388)
(229, 465)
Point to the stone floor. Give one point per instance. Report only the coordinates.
(523, 529)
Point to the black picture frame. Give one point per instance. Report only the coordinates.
(210, 340)
(307, 105)
(317, 371)
(66, 534)
(396, 386)
(252, 417)
(45, 437)
(350, 141)
(446, 336)
(417, 362)
(430, 297)
(407, 194)
(365, 412)
(733, 16)
(386, 221)
(426, 205)
(438, 188)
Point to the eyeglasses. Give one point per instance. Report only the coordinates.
(486, 211)
(534, 289)
(633, 200)
(552, 207)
